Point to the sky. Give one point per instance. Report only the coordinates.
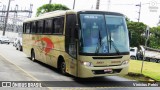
(126, 7)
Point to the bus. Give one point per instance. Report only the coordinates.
(82, 43)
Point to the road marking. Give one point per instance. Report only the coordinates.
(2, 55)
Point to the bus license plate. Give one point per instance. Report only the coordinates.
(108, 70)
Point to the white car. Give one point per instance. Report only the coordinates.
(4, 39)
(133, 53)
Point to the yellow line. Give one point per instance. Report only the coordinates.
(22, 69)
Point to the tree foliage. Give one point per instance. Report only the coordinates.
(137, 29)
(50, 7)
(154, 40)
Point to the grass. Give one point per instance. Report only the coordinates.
(150, 70)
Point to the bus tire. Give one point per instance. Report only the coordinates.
(32, 55)
(158, 61)
(62, 66)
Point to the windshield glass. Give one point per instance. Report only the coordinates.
(103, 34)
(118, 33)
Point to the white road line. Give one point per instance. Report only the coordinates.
(21, 69)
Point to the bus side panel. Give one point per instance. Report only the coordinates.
(38, 46)
(71, 68)
(55, 50)
(59, 50)
(27, 44)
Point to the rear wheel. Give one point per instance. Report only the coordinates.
(32, 55)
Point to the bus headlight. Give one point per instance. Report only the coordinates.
(125, 62)
(89, 64)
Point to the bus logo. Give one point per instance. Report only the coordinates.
(49, 44)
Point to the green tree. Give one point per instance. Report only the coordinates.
(137, 30)
(154, 40)
(50, 7)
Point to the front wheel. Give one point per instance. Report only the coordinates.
(63, 67)
(32, 55)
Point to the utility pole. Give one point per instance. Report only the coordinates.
(6, 19)
(147, 33)
(15, 20)
(74, 4)
(139, 13)
(97, 4)
(50, 1)
(108, 5)
(158, 24)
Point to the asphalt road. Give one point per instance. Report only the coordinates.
(15, 66)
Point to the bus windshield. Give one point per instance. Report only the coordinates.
(103, 34)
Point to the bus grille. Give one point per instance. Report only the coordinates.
(103, 72)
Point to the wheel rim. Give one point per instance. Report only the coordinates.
(63, 67)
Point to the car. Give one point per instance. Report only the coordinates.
(4, 39)
(15, 41)
(19, 44)
(133, 53)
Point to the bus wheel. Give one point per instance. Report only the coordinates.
(63, 67)
(32, 55)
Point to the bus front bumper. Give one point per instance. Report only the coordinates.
(86, 72)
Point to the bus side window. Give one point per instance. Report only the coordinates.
(24, 28)
(58, 24)
(40, 26)
(27, 28)
(70, 43)
(33, 27)
(48, 26)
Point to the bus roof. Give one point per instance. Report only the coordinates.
(63, 12)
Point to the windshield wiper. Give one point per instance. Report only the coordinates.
(99, 44)
(115, 47)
